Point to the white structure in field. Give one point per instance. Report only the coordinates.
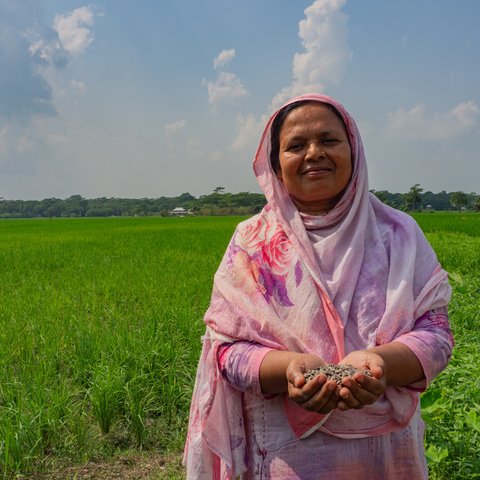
(179, 212)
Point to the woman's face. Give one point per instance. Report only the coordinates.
(315, 158)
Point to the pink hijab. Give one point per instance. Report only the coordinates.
(361, 280)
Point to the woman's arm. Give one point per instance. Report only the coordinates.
(431, 341)
(390, 364)
(411, 360)
(239, 363)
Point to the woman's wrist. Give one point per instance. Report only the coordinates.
(402, 366)
(273, 369)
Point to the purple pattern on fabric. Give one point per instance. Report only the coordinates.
(298, 274)
(232, 250)
(275, 288)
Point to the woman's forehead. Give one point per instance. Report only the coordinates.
(312, 115)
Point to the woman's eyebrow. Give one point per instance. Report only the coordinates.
(301, 136)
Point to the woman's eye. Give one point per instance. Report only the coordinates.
(295, 147)
(330, 141)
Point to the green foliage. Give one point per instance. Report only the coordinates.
(413, 198)
(217, 203)
(458, 200)
(451, 406)
(100, 326)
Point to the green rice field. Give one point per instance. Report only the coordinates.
(100, 326)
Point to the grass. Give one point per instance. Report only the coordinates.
(100, 326)
(451, 406)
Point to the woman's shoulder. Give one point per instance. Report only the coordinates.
(265, 216)
(390, 219)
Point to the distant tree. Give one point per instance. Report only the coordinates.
(382, 195)
(458, 200)
(186, 197)
(413, 198)
(477, 203)
(219, 190)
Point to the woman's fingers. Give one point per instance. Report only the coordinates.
(300, 392)
(375, 384)
(324, 400)
(359, 391)
(317, 395)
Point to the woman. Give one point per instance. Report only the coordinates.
(325, 274)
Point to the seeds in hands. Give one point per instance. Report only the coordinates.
(335, 372)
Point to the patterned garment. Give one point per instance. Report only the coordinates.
(275, 452)
(362, 275)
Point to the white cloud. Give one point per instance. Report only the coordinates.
(72, 30)
(417, 123)
(227, 87)
(172, 128)
(78, 85)
(223, 58)
(69, 36)
(48, 51)
(324, 37)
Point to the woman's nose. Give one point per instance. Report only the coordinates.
(314, 151)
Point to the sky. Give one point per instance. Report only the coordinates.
(158, 98)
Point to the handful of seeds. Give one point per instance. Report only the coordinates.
(334, 372)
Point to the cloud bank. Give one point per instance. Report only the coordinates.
(28, 45)
(324, 36)
(33, 55)
(419, 124)
(322, 63)
(23, 91)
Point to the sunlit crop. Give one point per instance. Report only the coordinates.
(100, 326)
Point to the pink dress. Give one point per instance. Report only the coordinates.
(360, 276)
(276, 453)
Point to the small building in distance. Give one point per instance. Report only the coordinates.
(179, 212)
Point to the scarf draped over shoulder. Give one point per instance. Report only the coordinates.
(271, 288)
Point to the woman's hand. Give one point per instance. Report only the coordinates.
(360, 389)
(319, 394)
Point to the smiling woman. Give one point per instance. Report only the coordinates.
(315, 159)
(325, 274)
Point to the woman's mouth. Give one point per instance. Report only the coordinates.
(317, 171)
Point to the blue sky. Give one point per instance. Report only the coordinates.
(151, 98)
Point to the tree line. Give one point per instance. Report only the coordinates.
(219, 202)
(416, 199)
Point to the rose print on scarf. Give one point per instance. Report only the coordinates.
(278, 253)
(246, 273)
(257, 234)
(264, 261)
